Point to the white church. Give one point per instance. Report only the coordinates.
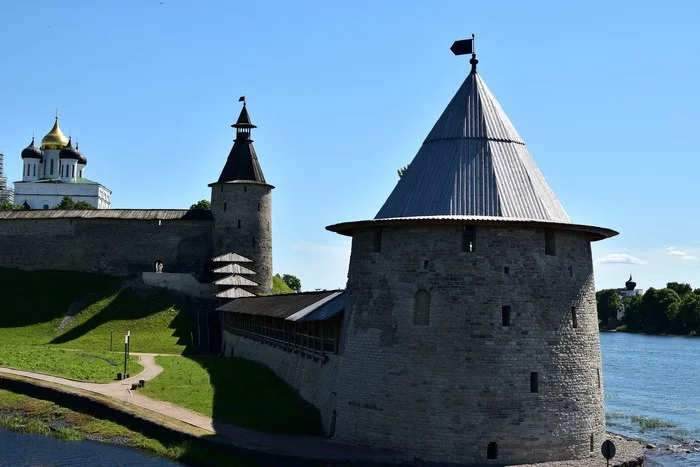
(54, 170)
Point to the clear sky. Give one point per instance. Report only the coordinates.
(605, 94)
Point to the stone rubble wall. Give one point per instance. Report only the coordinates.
(313, 379)
(120, 247)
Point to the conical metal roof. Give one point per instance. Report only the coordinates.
(474, 163)
(242, 162)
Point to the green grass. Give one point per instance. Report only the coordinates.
(35, 337)
(25, 414)
(279, 286)
(236, 391)
(650, 423)
(78, 365)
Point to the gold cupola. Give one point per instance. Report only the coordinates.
(54, 139)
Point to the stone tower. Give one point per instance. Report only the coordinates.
(241, 204)
(470, 330)
(6, 194)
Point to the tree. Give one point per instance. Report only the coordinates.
(657, 310)
(8, 205)
(292, 281)
(608, 302)
(681, 288)
(687, 321)
(201, 205)
(68, 203)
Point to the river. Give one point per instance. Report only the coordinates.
(20, 450)
(652, 393)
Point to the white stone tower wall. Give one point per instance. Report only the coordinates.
(251, 204)
(51, 155)
(447, 389)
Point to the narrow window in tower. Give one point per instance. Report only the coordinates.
(549, 244)
(421, 308)
(81, 173)
(377, 240)
(534, 382)
(245, 188)
(239, 223)
(222, 189)
(51, 168)
(505, 315)
(258, 207)
(506, 270)
(468, 238)
(592, 445)
(574, 318)
(598, 371)
(253, 241)
(492, 451)
(72, 171)
(224, 206)
(34, 170)
(425, 264)
(27, 169)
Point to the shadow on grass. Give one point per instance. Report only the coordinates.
(33, 297)
(135, 304)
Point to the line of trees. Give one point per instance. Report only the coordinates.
(674, 309)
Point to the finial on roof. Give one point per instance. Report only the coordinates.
(242, 99)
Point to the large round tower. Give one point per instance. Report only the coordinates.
(470, 332)
(241, 205)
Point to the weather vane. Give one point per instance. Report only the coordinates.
(464, 47)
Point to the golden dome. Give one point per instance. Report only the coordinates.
(55, 139)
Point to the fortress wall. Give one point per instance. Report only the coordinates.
(447, 388)
(118, 247)
(314, 380)
(181, 282)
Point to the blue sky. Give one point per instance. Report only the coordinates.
(604, 94)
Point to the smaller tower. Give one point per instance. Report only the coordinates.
(68, 157)
(6, 194)
(31, 163)
(241, 205)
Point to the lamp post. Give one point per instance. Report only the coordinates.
(128, 343)
(126, 349)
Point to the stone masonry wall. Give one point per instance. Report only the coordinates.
(313, 380)
(445, 390)
(243, 224)
(118, 247)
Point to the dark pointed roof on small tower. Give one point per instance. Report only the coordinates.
(242, 163)
(31, 151)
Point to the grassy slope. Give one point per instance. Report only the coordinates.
(34, 304)
(279, 286)
(236, 391)
(29, 415)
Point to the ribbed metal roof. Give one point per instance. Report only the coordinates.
(473, 163)
(236, 280)
(307, 306)
(140, 214)
(231, 258)
(234, 269)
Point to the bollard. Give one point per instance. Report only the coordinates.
(142, 383)
(119, 376)
(134, 386)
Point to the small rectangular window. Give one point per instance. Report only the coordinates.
(468, 239)
(239, 223)
(505, 315)
(534, 382)
(51, 167)
(574, 318)
(35, 170)
(492, 451)
(377, 240)
(224, 206)
(549, 243)
(72, 171)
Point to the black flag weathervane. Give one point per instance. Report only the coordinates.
(464, 47)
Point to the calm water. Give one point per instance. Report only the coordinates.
(19, 450)
(652, 392)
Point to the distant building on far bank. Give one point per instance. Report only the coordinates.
(628, 291)
(6, 193)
